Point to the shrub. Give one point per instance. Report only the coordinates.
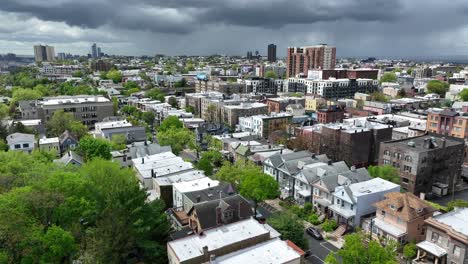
(314, 219)
(329, 225)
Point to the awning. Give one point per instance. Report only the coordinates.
(389, 228)
(322, 202)
(304, 193)
(341, 211)
(432, 248)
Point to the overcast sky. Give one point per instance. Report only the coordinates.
(201, 27)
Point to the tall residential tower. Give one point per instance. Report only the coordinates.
(301, 59)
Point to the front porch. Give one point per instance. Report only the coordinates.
(342, 216)
(430, 253)
(384, 231)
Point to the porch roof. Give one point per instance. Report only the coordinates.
(432, 248)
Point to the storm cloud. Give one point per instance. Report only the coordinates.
(356, 27)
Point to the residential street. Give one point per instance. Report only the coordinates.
(319, 250)
(463, 195)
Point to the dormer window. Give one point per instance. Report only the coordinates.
(342, 193)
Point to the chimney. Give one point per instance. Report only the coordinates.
(142, 160)
(205, 250)
(353, 168)
(212, 259)
(146, 143)
(422, 196)
(314, 156)
(198, 198)
(281, 151)
(330, 162)
(209, 185)
(69, 154)
(152, 173)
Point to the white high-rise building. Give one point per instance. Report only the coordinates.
(44, 53)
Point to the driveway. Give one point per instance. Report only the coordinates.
(319, 250)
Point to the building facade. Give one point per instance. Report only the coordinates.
(301, 59)
(271, 52)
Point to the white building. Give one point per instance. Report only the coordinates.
(50, 144)
(352, 203)
(245, 241)
(21, 141)
(179, 188)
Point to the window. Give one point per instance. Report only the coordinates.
(408, 158)
(383, 213)
(352, 206)
(25, 145)
(405, 180)
(17, 146)
(387, 153)
(386, 161)
(407, 168)
(456, 251)
(435, 237)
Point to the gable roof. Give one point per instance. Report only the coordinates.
(20, 137)
(68, 157)
(67, 134)
(407, 206)
(206, 211)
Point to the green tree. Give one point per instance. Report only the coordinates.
(91, 148)
(114, 75)
(62, 121)
(379, 97)
(211, 112)
(78, 74)
(3, 145)
(355, 251)
(178, 139)
(233, 173)
(388, 77)
(170, 123)
(464, 94)
(437, 87)
(456, 203)
(173, 102)
(20, 94)
(156, 94)
(271, 75)
(190, 109)
(103, 75)
(409, 251)
(290, 227)
(59, 246)
(204, 164)
(118, 142)
(386, 172)
(258, 188)
(148, 117)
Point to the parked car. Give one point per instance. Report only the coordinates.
(314, 233)
(260, 218)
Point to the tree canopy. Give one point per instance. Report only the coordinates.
(93, 214)
(156, 94)
(437, 87)
(271, 75)
(388, 77)
(62, 121)
(386, 172)
(91, 148)
(464, 95)
(114, 75)
(290, 227)
(171, 122)
(355, 251)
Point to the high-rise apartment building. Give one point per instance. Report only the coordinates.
(44, 53)
(272, 53)
(94, 50)
(301, 59)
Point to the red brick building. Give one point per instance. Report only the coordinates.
(301, 59)
(332, 114)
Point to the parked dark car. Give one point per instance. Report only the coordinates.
(260, 218)
(314, 233)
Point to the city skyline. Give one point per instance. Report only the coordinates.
(356, 28)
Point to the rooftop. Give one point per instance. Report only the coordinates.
(48, 140)
(192, 246)
(456, 219)
(195, 185)
(271, 251)
(78, 99)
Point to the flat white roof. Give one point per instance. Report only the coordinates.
(112, 124)
(271, 251)
(192, 246)
(48, 140)
(456, 219)
(195, 185)
(31, 122)
(432, 248)
(179, 176)
(374, 185)
(74, 100)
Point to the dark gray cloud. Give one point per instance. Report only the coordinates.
(356, 27)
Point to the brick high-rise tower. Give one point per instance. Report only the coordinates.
(301, 59)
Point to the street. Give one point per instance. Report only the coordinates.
(319, 250)
(463, 195)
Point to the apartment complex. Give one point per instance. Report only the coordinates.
(332, 88)
(448, 123)
(52, 71)
(427, 164)
(301, 59)
(85, 108)
(279, 104)
(263, 125)
(100, 66)
(343, 74)
(44, 53)
(219, 86)
(332, 114)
